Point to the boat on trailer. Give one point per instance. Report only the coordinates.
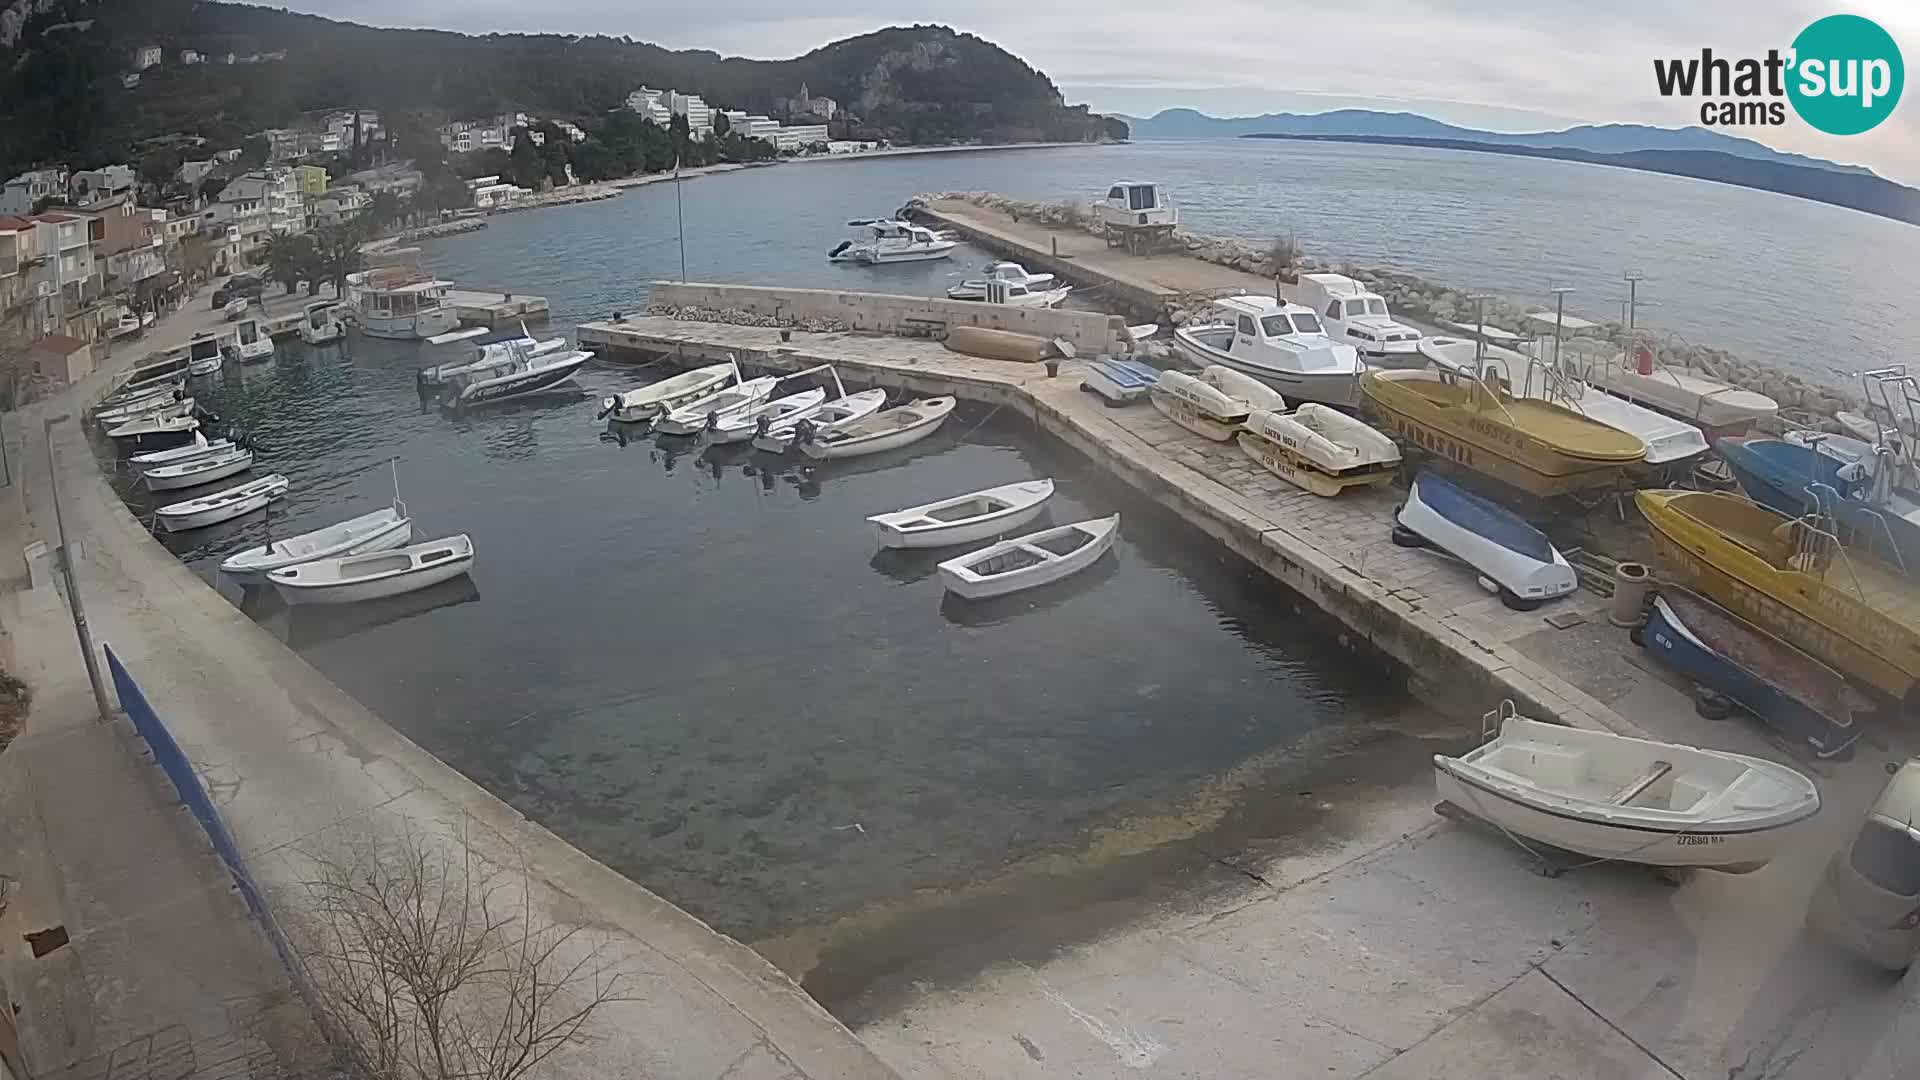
(1320, 449)
(222, 506)
(1029, 561)
(1614, 798)
(1741, 665)
(372, 576)
(888, 429)
(964, 519)
(1517, 559)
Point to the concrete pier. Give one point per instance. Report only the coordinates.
(1461, 647)
(497, 310)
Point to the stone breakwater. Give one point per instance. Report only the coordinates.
(737, 317)
(1420, 300)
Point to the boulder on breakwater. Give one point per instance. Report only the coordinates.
(1425, 301)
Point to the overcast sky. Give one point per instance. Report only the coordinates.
(1529, 66)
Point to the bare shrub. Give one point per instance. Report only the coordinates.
(1282, 254)
(426, 964)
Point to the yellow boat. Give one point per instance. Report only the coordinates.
(1533, 445)
(1795, 580)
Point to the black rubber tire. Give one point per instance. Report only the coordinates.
(1516, 602)
(1407, 538)
(1711, 705)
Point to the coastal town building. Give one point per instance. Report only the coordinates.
(336, 207)
(695, 108)
(804, 104)
(799, 137)
(104, 182)
(651, 104)
(22, 193)
(190, 56)
(147, 56)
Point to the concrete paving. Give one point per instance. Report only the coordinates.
(295, 764)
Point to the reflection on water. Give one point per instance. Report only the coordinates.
(690, 659)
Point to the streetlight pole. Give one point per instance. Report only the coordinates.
(73, 590)
(1559, 315)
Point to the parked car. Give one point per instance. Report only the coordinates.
(236, 287)
(1869, 899)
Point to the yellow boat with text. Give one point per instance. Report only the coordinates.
(1536, 446)
(1794, 579)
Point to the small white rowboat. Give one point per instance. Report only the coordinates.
(1029, 561)
(1611, 797)
(222, 505)
(646, 402)
(696, 416)
(834, 414)
(888, 429)
(171, 431)
(380, 530)
(778, 414)
(198, 448)
(964, 519)
(1198, 406)
(373, 576)
(200, 470)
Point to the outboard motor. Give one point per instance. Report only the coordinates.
(803, 433)
(835, 253)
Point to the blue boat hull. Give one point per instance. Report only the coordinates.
(1680, 650)
(1780, 476)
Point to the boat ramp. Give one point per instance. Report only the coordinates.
(1461, 646)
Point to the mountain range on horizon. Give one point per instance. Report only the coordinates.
(1593, 138)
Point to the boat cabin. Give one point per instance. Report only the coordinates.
(160, 366)
(206, 345)
(1356, 315)
(1273, 334)
(401, 301)
(1130, 203)
(248, 332)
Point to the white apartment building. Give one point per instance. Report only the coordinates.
(20, 193)
(799, 136)
(259, 204)
(692, 106)
(104, 183)
(337, 206)
(652, 104)
(755, 126)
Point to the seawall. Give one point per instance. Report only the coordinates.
(298, 767)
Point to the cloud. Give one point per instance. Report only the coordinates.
(1573, 60)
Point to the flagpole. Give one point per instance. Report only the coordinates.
(680, 213)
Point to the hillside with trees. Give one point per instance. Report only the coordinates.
(62, 97)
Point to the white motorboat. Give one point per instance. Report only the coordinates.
(1718, 406)
(1014, 294)
(400, 303)
(253, 345)
(380, 530)
(1256, 394)
(778, 415)
(643, 403)
(529, 373)
(207, 351)
(197, 448)
(157, 407)
(1010, 272)
(1320, 449)
(169, 366)
(1513, 557)
(320, 323)
(964, 519)
(1668, 438)
(165, 390)
(1120, 381)
(201, 470)
(699, 414)
(1029, 561)
(1607, 796)
(233, 309)
(1358, 316)
(155, 434)
(888, 429)
(1197, 406)
(374, 575)
(886, 241)
(222, 505)
(489, 359)
(1282, 345)
(834, 414)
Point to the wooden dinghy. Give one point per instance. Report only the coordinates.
(888, 429)
(376, 575)
(1029, 561)
(1635, 800)
(964, 519)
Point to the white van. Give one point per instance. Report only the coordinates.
(1869, 899)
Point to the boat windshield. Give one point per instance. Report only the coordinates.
(1307, 323)
(1376, 306)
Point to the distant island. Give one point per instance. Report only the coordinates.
(1595, 138)
(1860, 190)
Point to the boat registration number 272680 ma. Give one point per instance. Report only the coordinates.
(1691, 839)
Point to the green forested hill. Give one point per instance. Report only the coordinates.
(61, 97)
